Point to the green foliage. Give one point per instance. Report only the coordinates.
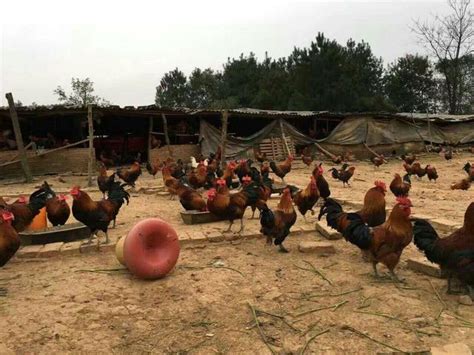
(203, 88)
(410, 85)
(173, 90)
(82, 94)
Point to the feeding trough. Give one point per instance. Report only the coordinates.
(66, 233)
(278, 187)
(198, 217)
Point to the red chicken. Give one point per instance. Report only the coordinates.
(190, 199)
(431, 172)
(455, 253)
(9, 239)
(198, 178)
(153, 167)
(464, 184)
(57, 209)
(400, 187)
(25, 212)
(306, 159)
(282, 169)
(321, 182)
(307, 198)
(382, 244)
(418, 170)
(378, 160)
(130, 175)
(97, 215)
(277, 224)
(409, 159)
(103, 180)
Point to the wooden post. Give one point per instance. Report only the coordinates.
(91, 145)
(225, 121)
(150, 130)
(19, 138)
(283, 138)
(167, 137)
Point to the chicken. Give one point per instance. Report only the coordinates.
(382, 244)
(25, 212)
(265, 188)
(9, 239)
(337, 159)
(306, 159)
(97, 215)
(57, 209)
(447, 153)
(418, 170)
(243, 169)
(373, 211)
(335, 173)
(464, 184)
(345, 176)
(228, 175)
(400, 188)
(264, 169)
(307, 198)
(218, 199)
(198, 177)
(378, 160)
(170, 182)
(277, 224)
(260, 157)
(131, 174)
(408, 169)
(409, 159)
(190, 199)
(321, 182)
(454, 253)
(469, 169)
(103, 180)
(282, 169)
(431, 173)
(153, 167)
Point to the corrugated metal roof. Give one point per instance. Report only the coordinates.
(436, 117)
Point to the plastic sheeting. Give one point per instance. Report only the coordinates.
(350, 131)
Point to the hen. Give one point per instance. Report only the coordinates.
(131, 174)
(282, 169)
(9, 239)
(418, 170)
(455, 253)
(306, 159)
(97, 215)
(277, 224)
(190, 199)
(431, 173)
(400, 187)
(307, 198)
(25, 212)
(464, 184)
(382, 244)
(57, 209)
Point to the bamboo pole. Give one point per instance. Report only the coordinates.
(372, 151)
(325, 151)
(150, 130)
(91, 145)
(17, 154)
(167, 137)
(19, 138)
(283, 138)
(225, 121)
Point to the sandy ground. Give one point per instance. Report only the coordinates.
(56, 305)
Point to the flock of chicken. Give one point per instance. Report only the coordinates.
(381, 239)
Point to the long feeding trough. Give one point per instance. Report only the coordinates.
(66, 233)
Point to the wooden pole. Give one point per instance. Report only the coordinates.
(19, 138)
(325, 151)
(91, 145)
(225, 121)
(167, 137)
(283, 138)
(150, 130)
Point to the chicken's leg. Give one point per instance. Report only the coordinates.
(89, 241)
(241, 225)
(376, 274)
(269, 240)
(107, 236)
(230, 226)
(395, 277)
(282, 249)
(253, 214)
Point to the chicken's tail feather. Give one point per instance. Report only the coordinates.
(425, 238)
(267, 220)
(357, 232)
(118, 194)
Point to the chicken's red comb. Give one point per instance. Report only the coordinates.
(220, 182)
(62, 197)
(211, 192)
(22, 199)
(8, 216)
(380, 183)
(405, 201)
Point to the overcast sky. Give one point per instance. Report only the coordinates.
(126, 46)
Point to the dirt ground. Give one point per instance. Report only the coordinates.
(66, 304)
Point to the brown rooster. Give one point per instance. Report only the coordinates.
(131, 174)
(409, 159)
(455, 253)
(282, 169)
(418, 170)
(307, 198)
(153, 167)
(97, 215)
(277, 224)
(190, 199)
(103, 180)
(382, 244)
(400, 187)
(321, 182)
(170, 182)
(57, 209)
(431, 173)
(464, 184)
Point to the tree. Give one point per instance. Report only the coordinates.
(204, 87)
(82, 94)
(410, 85)
(450, 39)
(173, 90)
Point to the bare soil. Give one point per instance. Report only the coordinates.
(67, 304)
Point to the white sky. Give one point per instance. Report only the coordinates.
(126, 46)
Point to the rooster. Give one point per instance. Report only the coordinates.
(400, 187)
(190, 199)
(455, 253)
(307, 198)
(198, 178)
(418, 170)
(409, 159)
(228, 174)
(265, 186)
(378, 160)
(57, 209)
(170, 182)
(25, 212)
(373, 211)
(153, 167)
(337, 159)
(97, 215)
(108, 162)
(336, 173)
(9, 239)
(431, 173)
(382, 244)
(103, 180)
(277, 224)
(447, 153)
(260, 157)
(243, 169)
(321, 182)
(408, 169)
(282, 169)
(131, 174)
(464, 184)
(346, 175)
